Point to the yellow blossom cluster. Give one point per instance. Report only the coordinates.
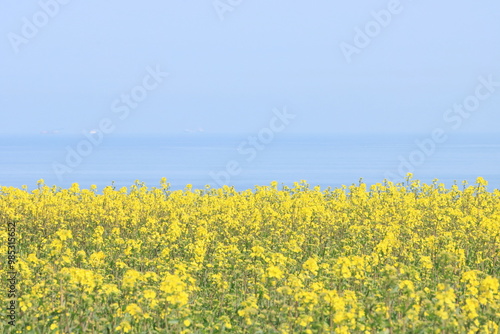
(386, 258)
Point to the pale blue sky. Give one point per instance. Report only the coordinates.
(227, 75)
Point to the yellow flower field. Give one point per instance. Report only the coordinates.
(391, 258)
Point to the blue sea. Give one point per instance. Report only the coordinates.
(244, 161)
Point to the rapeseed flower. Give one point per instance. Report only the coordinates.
(386, 258)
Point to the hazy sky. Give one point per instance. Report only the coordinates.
(67, 66)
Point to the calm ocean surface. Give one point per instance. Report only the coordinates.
(203, 159)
